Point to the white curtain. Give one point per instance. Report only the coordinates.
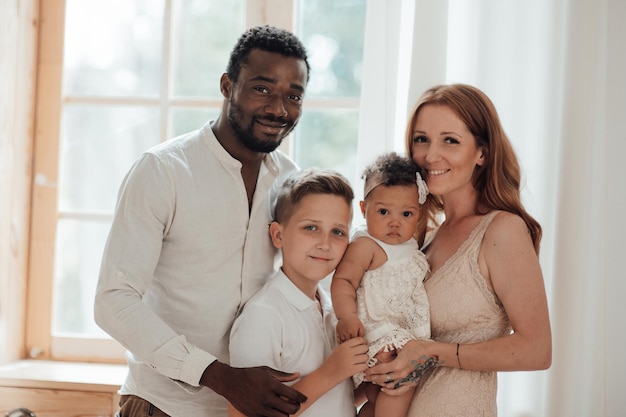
(556, 71)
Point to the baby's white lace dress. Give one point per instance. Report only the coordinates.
(391, 300)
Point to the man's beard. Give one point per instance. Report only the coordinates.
(246, 133)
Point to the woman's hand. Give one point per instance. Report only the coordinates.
(401, 374)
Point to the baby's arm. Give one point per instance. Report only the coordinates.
(355, 262)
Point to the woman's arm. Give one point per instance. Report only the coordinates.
(508, 261)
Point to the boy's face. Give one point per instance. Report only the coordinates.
(392, 212)
(313, 240)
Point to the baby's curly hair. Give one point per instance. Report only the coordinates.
(267, 38)
(389, 169)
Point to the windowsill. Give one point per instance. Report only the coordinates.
(63, 375)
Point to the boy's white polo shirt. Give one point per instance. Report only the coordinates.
(282, 328)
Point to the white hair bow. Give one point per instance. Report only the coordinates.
(422, 188)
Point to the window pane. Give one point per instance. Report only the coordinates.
(204, 33)
(98, 146)
(328, 139)
(113, 47)
(332, 31)
(186, 120)
(79, 248)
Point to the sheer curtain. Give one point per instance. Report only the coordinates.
(555, 70)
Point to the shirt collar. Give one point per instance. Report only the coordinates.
(269, 160)
(299, 299)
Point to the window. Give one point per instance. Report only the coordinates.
(131, 74)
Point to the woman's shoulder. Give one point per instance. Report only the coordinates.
(506, 220)
(506, 227)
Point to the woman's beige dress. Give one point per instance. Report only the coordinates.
(462, 310)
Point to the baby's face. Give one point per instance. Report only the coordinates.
(392, 212)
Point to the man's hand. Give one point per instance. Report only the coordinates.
(254, 391)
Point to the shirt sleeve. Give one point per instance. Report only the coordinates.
(256, 337)
(144, 212)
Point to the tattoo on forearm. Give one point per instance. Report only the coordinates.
(420, 366)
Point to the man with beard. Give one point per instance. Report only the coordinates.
(189, 243)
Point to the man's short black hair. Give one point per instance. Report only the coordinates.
(267, 38)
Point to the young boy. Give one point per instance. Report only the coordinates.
(289, 324)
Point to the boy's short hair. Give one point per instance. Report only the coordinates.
(389, 169)
(267, 38)
(307, 182)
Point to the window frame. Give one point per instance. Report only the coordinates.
(40, 343)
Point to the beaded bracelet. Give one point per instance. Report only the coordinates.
(458, 358)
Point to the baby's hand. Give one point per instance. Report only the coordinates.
(347, 359)
(349, 327)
